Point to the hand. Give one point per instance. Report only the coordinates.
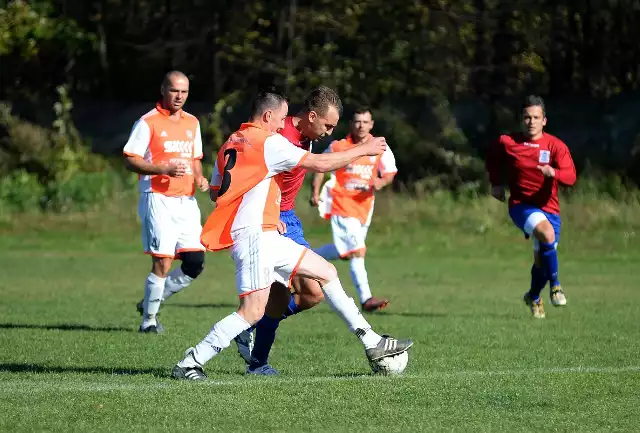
(282, 227)
(202, 183)
(498, 193)
(314, 200)
(547, 170)
(175, 170)
(374, 146)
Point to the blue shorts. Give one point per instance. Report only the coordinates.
(526, 217)
(294, 228)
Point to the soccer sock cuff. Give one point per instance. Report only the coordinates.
(346, 308)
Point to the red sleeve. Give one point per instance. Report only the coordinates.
(563, 164)
(495, 162)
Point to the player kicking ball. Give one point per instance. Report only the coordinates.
(351, 204)
(246, 220)
(535, 164)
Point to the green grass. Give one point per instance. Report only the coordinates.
(70, 359)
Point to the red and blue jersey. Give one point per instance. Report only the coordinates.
(291, 181)
(518, 158)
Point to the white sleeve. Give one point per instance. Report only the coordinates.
(216, 179)
(387, 163)
(139, 139)
(280, 155)
(197, 144)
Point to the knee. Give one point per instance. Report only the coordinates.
(330, 272)
(544, 233)
(161, 266)
(192, 263)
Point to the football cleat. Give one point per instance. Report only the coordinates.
(265, 370)
(153, 329)
(537, 307)
(373, 304)
(557, 297)
(194, 372)
(388, 346)
(244, 341)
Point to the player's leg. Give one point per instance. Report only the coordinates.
(159, 239)
(282, 304)
(311, 265)
(189, 248)
(550, 255)
(254, 261)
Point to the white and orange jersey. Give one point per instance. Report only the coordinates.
(353, 195)
(248, 192)
(162, 141)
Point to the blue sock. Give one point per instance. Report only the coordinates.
(292, 308)
(538, 281)
(265, 336)
(266, 330)
(549, 259)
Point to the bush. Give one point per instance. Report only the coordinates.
(20, 191)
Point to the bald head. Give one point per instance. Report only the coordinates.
(174, 90)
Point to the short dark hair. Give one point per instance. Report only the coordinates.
(266, 100)
(321, 98)
(170, 75)
(362, 110)
(534, 101)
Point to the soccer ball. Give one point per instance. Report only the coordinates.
(391, 365)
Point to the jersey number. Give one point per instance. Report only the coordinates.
(230, 155)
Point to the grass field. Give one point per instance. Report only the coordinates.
(71, 359)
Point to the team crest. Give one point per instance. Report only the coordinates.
(189, 133)
(545, 157)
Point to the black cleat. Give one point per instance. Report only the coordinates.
(153, 329)
(188, 373)
(388, 346)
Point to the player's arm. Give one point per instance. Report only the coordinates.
(316, 187)
(494, 164)
(136, 148)
(216, 181)
(387, 169)
(331, 161)
(562, 167)
(201, 182)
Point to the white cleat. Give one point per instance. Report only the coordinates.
(265, 370)
(244, 341)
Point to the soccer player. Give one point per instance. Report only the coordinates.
(352, 199)
(317, 118)
(165, 149)
(535, 163)
(246, 219)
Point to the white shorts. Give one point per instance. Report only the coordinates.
(349, 234)
(170, 225)
(262, 258)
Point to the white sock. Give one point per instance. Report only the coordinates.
(328, 252)
(152, 298)
(360, 278)
(176, 281)
(349, 312)
(217, 339)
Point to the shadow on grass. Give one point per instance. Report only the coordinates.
(36, 368)
(66, 327)
(220, 305)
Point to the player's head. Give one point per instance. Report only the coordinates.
(320, 114)
(361, 124)
(174, 91)
(269, 109)
(534, 116)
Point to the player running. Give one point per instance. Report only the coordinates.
(246, 219)
(351, 207)
(165, 149)
(535, 163)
